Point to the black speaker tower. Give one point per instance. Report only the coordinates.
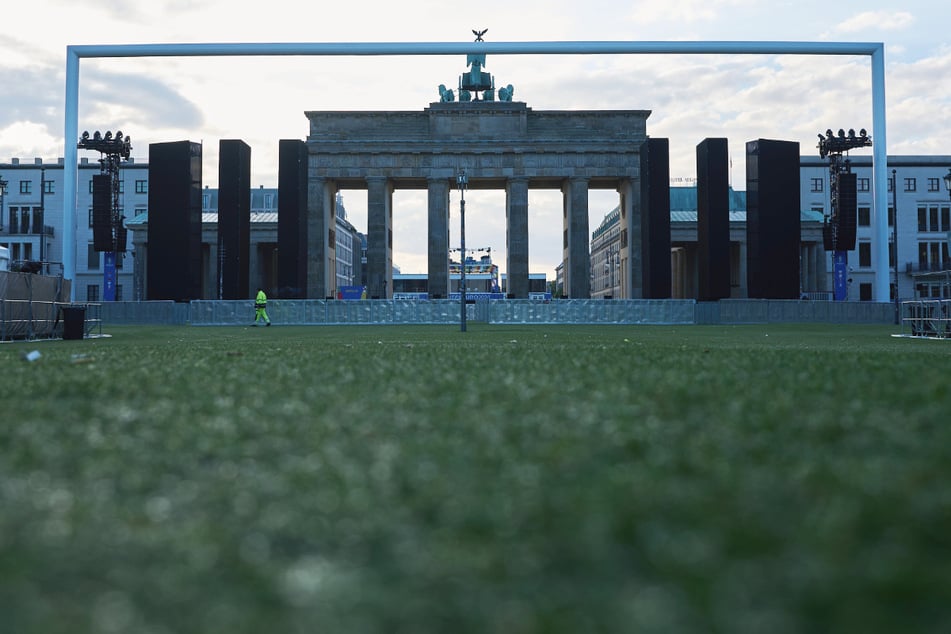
(772, 219)
(234, 218)
(713, 220)
(102, 237)
(292, 219)
(655, 218)
(173, 269)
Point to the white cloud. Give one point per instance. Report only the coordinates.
(32, 139)
(650, 11)
(876, 20)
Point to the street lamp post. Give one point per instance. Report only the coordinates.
(895, 228)
(3, 190)
(463, 182)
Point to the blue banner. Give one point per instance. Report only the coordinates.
(109, 277)
(840, 275)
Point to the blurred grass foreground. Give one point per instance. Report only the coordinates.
(505, 480)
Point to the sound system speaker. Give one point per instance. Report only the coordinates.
(292, 219)
(234, 218)
(122, 238)
(713, 220)
(655, 218)
(847, 212)
(772, 219)
(173, 262)
(828, 236)
(102, 236)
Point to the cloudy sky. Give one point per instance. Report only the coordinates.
(262, 100)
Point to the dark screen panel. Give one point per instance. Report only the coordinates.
(773, 219)
(174, 230)
(655, 217)
(713, 220)
(234, 218)
(292, 219)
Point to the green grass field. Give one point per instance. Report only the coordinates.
(505, 480)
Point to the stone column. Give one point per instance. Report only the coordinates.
(632, 266)
(379, 238)
(438, 238)
(807, 271)
(744, 290)
(822, 278)
(321, 238)
(516, 237)
(140, 258)
(576, 239)
(213, 274)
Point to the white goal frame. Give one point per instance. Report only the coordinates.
(874, 50)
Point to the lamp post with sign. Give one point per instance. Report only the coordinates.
(462, 180)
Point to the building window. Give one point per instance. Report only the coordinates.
(865, 292)
(934, 184)
(861, 184)
(26, 187)
(891, 184)
(891, 255)
(865, 217)
(934, 218)
(815, 185)
(865, 254)
(47, 187)
(90, 217)
(910, 184)
(92, 258)
(268, 201)
(38, 220)
(891, 216)
(933, 256)
(14, 223)
(205, 201)
(92, 292)
(141, 187)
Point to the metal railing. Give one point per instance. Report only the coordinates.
(926, 318)
(24, 319)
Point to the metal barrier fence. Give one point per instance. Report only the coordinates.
(926, 318)
(25, 319)
(518, 311)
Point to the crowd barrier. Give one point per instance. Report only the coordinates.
(926, 318)
(510, 311)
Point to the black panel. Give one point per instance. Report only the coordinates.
(174, 230)
(655, 218)
(234, 218)
(102, 212)
(292, 219)
(772, 219)
(713, 220)
(847, 213)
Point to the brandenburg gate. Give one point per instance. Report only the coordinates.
(501, 144)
